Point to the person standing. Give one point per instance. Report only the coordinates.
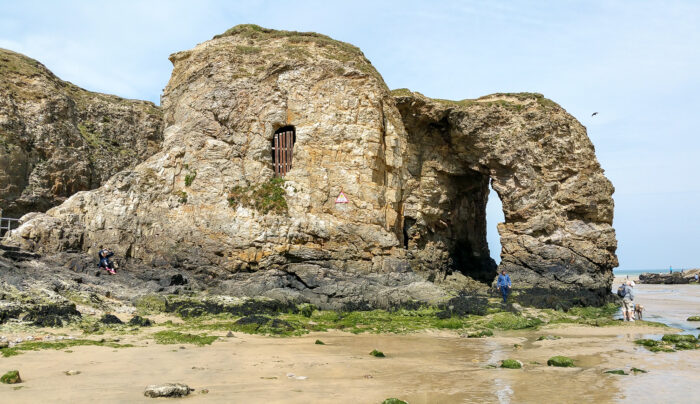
(627, 299)
(503, 284)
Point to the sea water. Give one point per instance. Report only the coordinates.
(637, 272)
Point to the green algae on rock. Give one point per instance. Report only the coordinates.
(560, 361)
(377, 354)
(174, 337)
(511, 364)
(616, 372)
(11, 377)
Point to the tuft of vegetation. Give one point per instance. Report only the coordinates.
(247, 50)
(150, 304)
(616, 372)
(189, 178)
(401, 92)
(63, 344)
(266, 197)
(560, 361)
(393, 401)
(182, 197)
(11, 377)
(511, 364)
(319, 342)
(693, 318)
(511, 321)
(377, 354)
(637, 370)
(548, 337)
(173, 337)
(480, 334)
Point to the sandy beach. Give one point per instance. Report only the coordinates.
(424, 367)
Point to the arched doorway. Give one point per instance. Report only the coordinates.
(282, 150)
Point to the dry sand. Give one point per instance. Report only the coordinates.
(427, 367)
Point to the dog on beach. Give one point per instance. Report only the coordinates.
(638, 309)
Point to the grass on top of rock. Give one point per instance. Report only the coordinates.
(265, 197)
(63, 344)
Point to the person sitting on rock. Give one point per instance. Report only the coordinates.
(105, 263)
(503, 284)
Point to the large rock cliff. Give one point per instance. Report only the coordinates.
(416, 173)
(57, 139)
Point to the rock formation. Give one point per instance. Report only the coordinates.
(557, 237)
(57, 139)
(677, 277)
(416, 173)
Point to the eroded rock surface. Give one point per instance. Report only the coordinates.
(416, 177)
(57, 139)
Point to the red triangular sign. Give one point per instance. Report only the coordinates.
(341, 198)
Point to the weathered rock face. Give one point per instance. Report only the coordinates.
(57, 139)
(557, 236)
(207, 202)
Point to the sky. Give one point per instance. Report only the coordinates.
(636, 63)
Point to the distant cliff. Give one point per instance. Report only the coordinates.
(57, 139)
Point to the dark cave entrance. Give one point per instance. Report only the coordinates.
(450, 234)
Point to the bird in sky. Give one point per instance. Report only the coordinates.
(594, 114)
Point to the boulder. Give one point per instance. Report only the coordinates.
(511, 364)
(11, 377)
(110, 319)
(140, 321)
(560, 361)
(167, 390)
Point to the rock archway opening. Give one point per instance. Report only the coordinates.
(467, 243)
(448, 234)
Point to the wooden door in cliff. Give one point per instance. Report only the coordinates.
(282, 150)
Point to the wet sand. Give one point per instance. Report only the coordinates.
(427, 367)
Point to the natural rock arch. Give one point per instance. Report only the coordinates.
(557, 237)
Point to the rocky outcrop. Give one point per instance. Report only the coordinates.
(557, 238)
(57, 139)
(670, 278)
(416, 173)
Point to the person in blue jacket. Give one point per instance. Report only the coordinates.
(503, 284)
(105, 254)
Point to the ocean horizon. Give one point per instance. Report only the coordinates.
(637, 272)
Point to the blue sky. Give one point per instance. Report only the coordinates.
(637, 63)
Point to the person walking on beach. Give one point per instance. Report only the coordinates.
(625, 292)
(503, 284)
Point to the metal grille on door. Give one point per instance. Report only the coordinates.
(282, 147)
